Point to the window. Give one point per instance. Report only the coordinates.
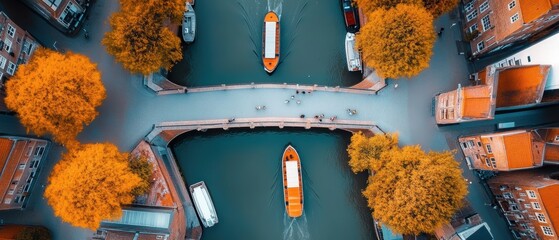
(536, 205)
(471, 15)
(473, 27)
(464, 145)
(531, 194)
(487, 146)
(11, 192)
(522, 194)
(68, 15)
(7, 201)
(514, 207)
(22, 166)
(471, 143)
(3, 61)
(514, 18)
(530, 60)
(11, 68)
(479, 144)
(507, 195)
(547, 231)
(7, 44)
(517, 62)
(11, 30)
(39, 151)
(493, 162)
(512, 4)
(527, 205)
(469, 6)
(540, 217)
(550, 18)
(524, 225)
(486, 23)
(484, 6)
(481, 46)
(487, 162)
(556, 136)
(52, 3)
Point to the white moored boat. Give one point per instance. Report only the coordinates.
(203, 203)
(189, 24)
(352, 55)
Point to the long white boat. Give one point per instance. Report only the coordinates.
(352, 55)
(189, 24)
(203, 203)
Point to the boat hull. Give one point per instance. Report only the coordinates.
(271, 42)
(352, 55)
(189, 24)
(204, 204)
(292, 182)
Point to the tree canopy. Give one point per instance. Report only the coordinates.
(364, 151)
(435, 7)
(397, 42)
(439, 7)
(368, 6)
(140, 166)
(90, 184)
(414, 192)
(140, 38)
(56, 93)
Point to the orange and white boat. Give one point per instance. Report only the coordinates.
(292, 182)
(271, 42)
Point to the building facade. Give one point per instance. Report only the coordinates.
(66, 15)
(495, 88)
(16, 47)
(491, 25)
(504, 151)
(20, 159)
(528, 200)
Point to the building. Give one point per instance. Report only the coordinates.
(504, 151)
(495, 88)
(66, 15)
(14, 232)
(16, 47)
(544, 52)
(466, 224)
(528, 200)
(491, 25)
(20, 159)
(511, 150)
(157, 215)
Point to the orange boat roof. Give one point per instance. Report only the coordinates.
(271, 42)
(292, 182)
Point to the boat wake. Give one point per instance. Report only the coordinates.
(276, 6)
(295, 228)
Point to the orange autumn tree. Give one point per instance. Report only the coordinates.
(397, 42)
(369, 6)
(439, 7)
(139, 37)
(363, 150)
(90, 184)
(435, 7)
(56, 93)
(414, 192)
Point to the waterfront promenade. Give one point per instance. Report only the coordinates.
(130, 110)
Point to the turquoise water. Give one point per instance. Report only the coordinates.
(242, 170)
(228, 45)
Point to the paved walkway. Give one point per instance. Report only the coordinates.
(130, 109)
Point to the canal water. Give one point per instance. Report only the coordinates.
(242, 169)
(228, 45)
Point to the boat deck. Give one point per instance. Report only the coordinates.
(292, 182)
